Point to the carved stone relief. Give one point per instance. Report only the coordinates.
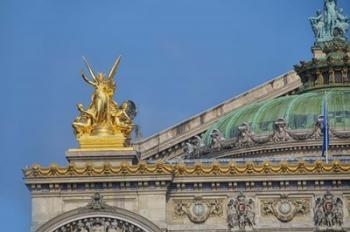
(328, 213)
(99, 224)
(284, 208)
(246, 138)
(240, 213)
(198, 210)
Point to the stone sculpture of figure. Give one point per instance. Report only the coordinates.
(194, 147)
(342, 22)
(244, 137)
(280, 131)
(331, 24)
(330, 14)
(317, 24)
(217, 139)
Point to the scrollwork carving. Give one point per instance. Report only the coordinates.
(198, 210)
(285, 209)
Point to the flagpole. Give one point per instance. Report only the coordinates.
(325, 144)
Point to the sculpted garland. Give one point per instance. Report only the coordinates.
(230, 169)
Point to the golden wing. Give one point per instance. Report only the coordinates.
(114, 68)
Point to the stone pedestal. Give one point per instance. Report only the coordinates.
(317, 53)
(99, 156)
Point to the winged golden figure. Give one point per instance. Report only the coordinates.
(104, 123)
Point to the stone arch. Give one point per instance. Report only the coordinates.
(101, 217)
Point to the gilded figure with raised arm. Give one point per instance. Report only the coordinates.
(103, 120)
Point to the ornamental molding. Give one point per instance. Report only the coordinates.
(100, 217)
(198, 169)
(241, 213)
(285, 209)
(198, 210)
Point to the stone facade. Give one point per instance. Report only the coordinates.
(175, 181)
(200, 197)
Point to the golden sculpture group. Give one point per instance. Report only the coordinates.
(104, 124)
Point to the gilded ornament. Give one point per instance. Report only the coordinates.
(104, 124)
(231, 169)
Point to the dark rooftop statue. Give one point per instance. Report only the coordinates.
(331, 24)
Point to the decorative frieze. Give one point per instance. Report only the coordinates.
(285, 209)
(246, 138)
(241, 213)
(198, 210)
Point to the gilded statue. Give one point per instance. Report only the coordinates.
(104, 123)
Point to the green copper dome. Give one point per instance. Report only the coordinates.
(300, 112)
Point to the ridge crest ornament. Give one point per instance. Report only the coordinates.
(104, 124)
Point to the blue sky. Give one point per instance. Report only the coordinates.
(179, 58)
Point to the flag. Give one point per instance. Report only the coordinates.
(325, 130)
